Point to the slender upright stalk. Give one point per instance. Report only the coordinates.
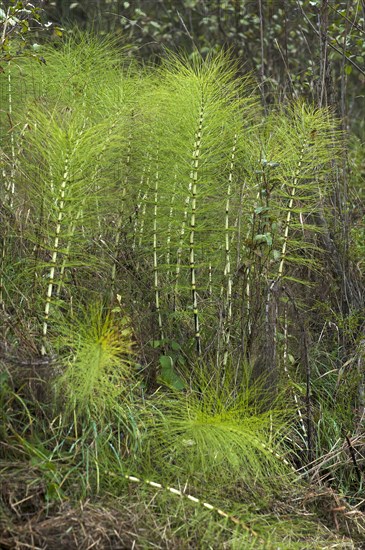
(60, 204)
(140, 200)
(119, 223)
(155, 261)
(169, 227)
(194, 180)
(181, 245)
(286, 370)
(290, 209)
(9, 184)
(324, 91)
(262, 51)
(72, 227)
(227, 269)
(144, 207)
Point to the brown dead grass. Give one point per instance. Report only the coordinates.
(29, 521)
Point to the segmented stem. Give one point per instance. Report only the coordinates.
(119, 223)
(140, 200)
(155, 262)
(290, 208)
(66, 255)
(60, 204)
(72, 227)
(285, 361)
(169, 227)
(227, 269)
(196, 500)
(181, 245)
(210, 280)
(9, 183)
(141, 227)
(144, 208)
(194, 180)
(10, 187)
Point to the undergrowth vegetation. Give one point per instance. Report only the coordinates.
(181, 309)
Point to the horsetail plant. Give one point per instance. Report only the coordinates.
(181, 246)
(10, 183)
(63, 179)
(119, 221)
(60, 202)
(227, 269)
(201, 110)
(169, 228)
(286, 370)
(232, 518)
(212, 432)
(194, 181)
(140, 200)
(8, 162)
(309, 142)
(155, 261)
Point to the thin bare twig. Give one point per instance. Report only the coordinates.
(351, 61)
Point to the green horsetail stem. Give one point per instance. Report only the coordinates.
(144, 209)
(181, 245)
(72, 227)
(119, 223)
(138, 209)
(249, 274)
(196, 500)
(9, 184)
(144, 199)
(140, 199)
(66, 255)
(227, 268)
(290, 208)
(118, 229)
(155, 262)
(194, 180)
(169, 227)
(285, 362)
(60, 204)
(210, 280)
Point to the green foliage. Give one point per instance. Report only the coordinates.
(306, 50)
(217, 433)
(99, 371)
(163, 205)
(18, 20)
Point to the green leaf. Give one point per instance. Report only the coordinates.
(166, 362)
(156, 343)
(263, 238)
(169, 376)
(261, 209)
